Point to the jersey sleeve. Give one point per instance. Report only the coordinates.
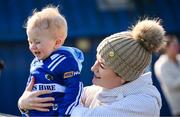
(69, 71)
(30, 71)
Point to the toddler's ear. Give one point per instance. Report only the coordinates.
(58, 43)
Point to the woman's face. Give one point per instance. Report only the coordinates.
(104, 76)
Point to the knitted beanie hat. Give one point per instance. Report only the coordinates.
(129, 53)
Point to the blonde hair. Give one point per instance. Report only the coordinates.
(48, 19)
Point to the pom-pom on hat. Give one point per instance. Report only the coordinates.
(129, 53)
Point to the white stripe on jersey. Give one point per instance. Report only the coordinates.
(58, 57)
(74, 104)
(53, 87)
(57, 63)
(54, 56)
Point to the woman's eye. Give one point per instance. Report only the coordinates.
(38, 42)
(102, 66)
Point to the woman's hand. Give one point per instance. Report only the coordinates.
(31, 100)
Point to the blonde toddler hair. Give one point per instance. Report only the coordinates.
(49, 20)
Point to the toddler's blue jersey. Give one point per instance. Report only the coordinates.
(60, 73)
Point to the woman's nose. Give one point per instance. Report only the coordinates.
(94, 67)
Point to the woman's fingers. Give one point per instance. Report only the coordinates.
(44, 99)
(30, 85)
(38, 93)
(41, 109)
(41, 105)
(31, 100)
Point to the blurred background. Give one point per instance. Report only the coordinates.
(89, 21)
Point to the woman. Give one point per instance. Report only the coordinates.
(167, 69)
(119, 86)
